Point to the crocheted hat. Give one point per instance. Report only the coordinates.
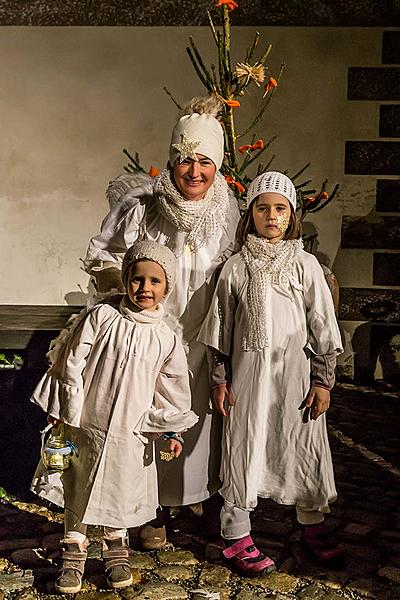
(272, 181)
(151, 251)
(198, 132)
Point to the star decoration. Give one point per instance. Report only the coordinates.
(186, 148)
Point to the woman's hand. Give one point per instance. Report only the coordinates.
(223, 398)
(55, 422)
(175, 447)
(318, 401)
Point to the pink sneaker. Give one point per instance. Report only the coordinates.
(247, 559)
(320, 542)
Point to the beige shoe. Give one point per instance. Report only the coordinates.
(153, 538)
(70, 574)
(115, 554)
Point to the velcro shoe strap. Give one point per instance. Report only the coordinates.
(117, 562)
(71, 555)
(117, 553)
(238, 547)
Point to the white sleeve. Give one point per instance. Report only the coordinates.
(324, 335)
(60, 391)
(119, 230)
(171, 409)
(217, 329)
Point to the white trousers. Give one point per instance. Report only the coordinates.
(235, 522)
(74, 529)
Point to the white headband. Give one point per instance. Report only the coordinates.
(272, 181)
(197, 134)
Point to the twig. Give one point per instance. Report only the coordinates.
(212, 27)
(251, 50)
(172, 98)
(197, 69)
(263, 108)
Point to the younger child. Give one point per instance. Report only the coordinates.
(121, 377)
(273, 337)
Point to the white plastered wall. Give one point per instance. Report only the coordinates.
(72, 98)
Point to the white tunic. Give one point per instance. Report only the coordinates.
(196, 476)
(121, 375)
(268, 449)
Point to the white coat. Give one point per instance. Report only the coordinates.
(269, 449)
(121, 375)
(135, 216)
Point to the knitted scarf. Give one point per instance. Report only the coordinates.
(266, 264)
(200, 219)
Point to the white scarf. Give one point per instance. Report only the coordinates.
(266, 264)
(200, 219)
(143, 317)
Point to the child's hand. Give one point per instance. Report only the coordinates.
(318, 401)
(223, 398)
(55, 422)
(175, 447)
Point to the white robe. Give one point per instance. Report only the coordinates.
(134, 217)
(121, 375)
(268, 450)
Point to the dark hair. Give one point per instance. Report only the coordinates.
(246, 225)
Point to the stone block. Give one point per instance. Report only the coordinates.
(155, 591)
(175, 573)
(178, 557)
(16, 581)
(214, 576)
(391, 47)
(388, 195)
(391, 573)
(276, 582)
(386, 269)
(389, 120)
(358, 530)
(372, 158)
(314, 592)
(373, 83)
(371, 231)
(377, 305)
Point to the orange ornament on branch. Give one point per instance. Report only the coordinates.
(272, 83)
(154, 171)
(258, 145)
(231, 4)
(232, 103)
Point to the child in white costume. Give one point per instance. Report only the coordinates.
(190, 209)
(121, 377)
(273, 339)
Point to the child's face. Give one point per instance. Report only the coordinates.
(271, 214)
(147, 284)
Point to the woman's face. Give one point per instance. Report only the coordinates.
(193, 178)
(271, 214)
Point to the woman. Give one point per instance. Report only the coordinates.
(189, 208)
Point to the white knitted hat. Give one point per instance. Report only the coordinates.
(272, 181)
(197, 134)
(154, 251)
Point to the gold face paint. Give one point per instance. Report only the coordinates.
(282, 222)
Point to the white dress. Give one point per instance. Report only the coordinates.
(135, 216)
(268, 449)
(121, 375)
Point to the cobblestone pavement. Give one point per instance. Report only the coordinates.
(363, 425)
